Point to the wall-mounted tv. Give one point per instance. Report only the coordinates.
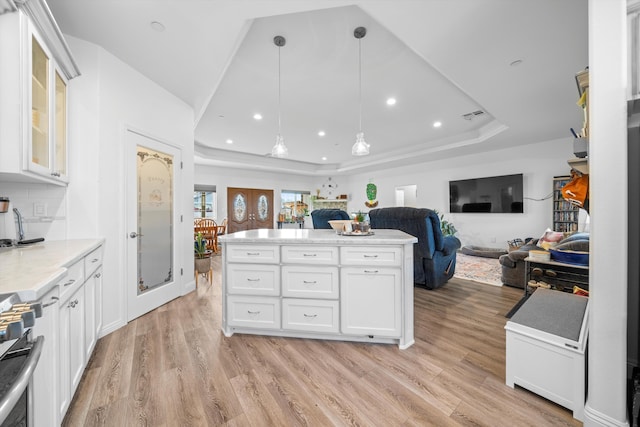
(494, 194)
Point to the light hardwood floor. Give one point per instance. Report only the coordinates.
(174, 367)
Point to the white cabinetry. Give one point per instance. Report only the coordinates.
(368, 290)
(322, 286)
(35, 66)
(45, 376)
(71, 347)
(372, 285)
(80, 317)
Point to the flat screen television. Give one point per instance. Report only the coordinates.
(494, 194)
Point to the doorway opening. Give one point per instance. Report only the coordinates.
(205, 202)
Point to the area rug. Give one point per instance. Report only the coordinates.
(478, 269)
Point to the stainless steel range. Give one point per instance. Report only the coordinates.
(19, 357)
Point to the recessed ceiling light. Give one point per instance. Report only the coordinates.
(229, 141)
(257, 116)
(324, 158)
(437, 124)
(321, 133)
(391, 101)
(157, 26)
(516, 63)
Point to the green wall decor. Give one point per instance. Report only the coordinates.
(372, 191)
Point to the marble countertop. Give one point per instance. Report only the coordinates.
(33, 270)
(311, 236)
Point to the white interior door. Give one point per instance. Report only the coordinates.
(152, 218)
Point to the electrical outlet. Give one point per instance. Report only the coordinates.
(39, 209)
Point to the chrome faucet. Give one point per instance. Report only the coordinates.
(20, 229)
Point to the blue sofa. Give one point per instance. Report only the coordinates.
(321, 217)
(434, 256)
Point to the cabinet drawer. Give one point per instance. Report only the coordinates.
(93, 261)
(310, 282)
(310, 315)
(72, 281)
(367, 255)
(310, 255)
(253, 253)
(253, 312)
(250, 279)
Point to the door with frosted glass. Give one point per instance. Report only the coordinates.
(248, 209)
(153, 273)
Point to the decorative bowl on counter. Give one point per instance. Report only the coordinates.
(340, 225)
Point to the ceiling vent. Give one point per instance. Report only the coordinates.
(472, 115)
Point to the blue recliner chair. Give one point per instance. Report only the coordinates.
(321, 217)
(434, 256)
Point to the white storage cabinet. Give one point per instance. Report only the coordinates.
(316, 284)
(546, 340)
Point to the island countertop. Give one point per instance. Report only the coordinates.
(312, 236)
(32, 270)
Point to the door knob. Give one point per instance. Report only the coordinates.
(133, 235)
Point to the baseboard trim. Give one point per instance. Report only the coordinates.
(593, 418)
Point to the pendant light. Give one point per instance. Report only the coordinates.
(360, 148)
(279, 150)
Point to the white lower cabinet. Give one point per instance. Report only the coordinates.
(72, 349)
(310, 315)
(45, 376)
(355, 293)
(79, 324)
(371, 301)
(253, 312)
(93, 311)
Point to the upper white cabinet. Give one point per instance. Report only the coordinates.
(633, 49)
(35, 67)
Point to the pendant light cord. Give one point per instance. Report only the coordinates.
(279, 96)
(360, 80)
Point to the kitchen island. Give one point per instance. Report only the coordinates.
(317, 284)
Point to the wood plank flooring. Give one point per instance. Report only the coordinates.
(174, 367)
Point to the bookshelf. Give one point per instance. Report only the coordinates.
(565, 215)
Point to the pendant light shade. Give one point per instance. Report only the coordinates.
(279, 149)
(360, 148)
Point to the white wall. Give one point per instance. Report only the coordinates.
(539, 163)
(108, 97)
(607, 370)
(224, 178)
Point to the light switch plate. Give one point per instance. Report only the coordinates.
(39, 209)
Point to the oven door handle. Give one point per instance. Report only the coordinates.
(22, 381)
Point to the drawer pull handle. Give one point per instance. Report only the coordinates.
(371, 256)
(253, 253)
(95, 260)
(253, 312)
(310, 316)
(309, 282)
(70, 282)
(53, 301)
(97, 275)
(371, 271)
(309, 255)
(253, 280)
(73, 304)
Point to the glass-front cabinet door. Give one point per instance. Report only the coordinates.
(48, 136)
(60, 127)
(40, 154)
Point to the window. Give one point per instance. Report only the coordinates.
(294, 205)
(205, 202)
